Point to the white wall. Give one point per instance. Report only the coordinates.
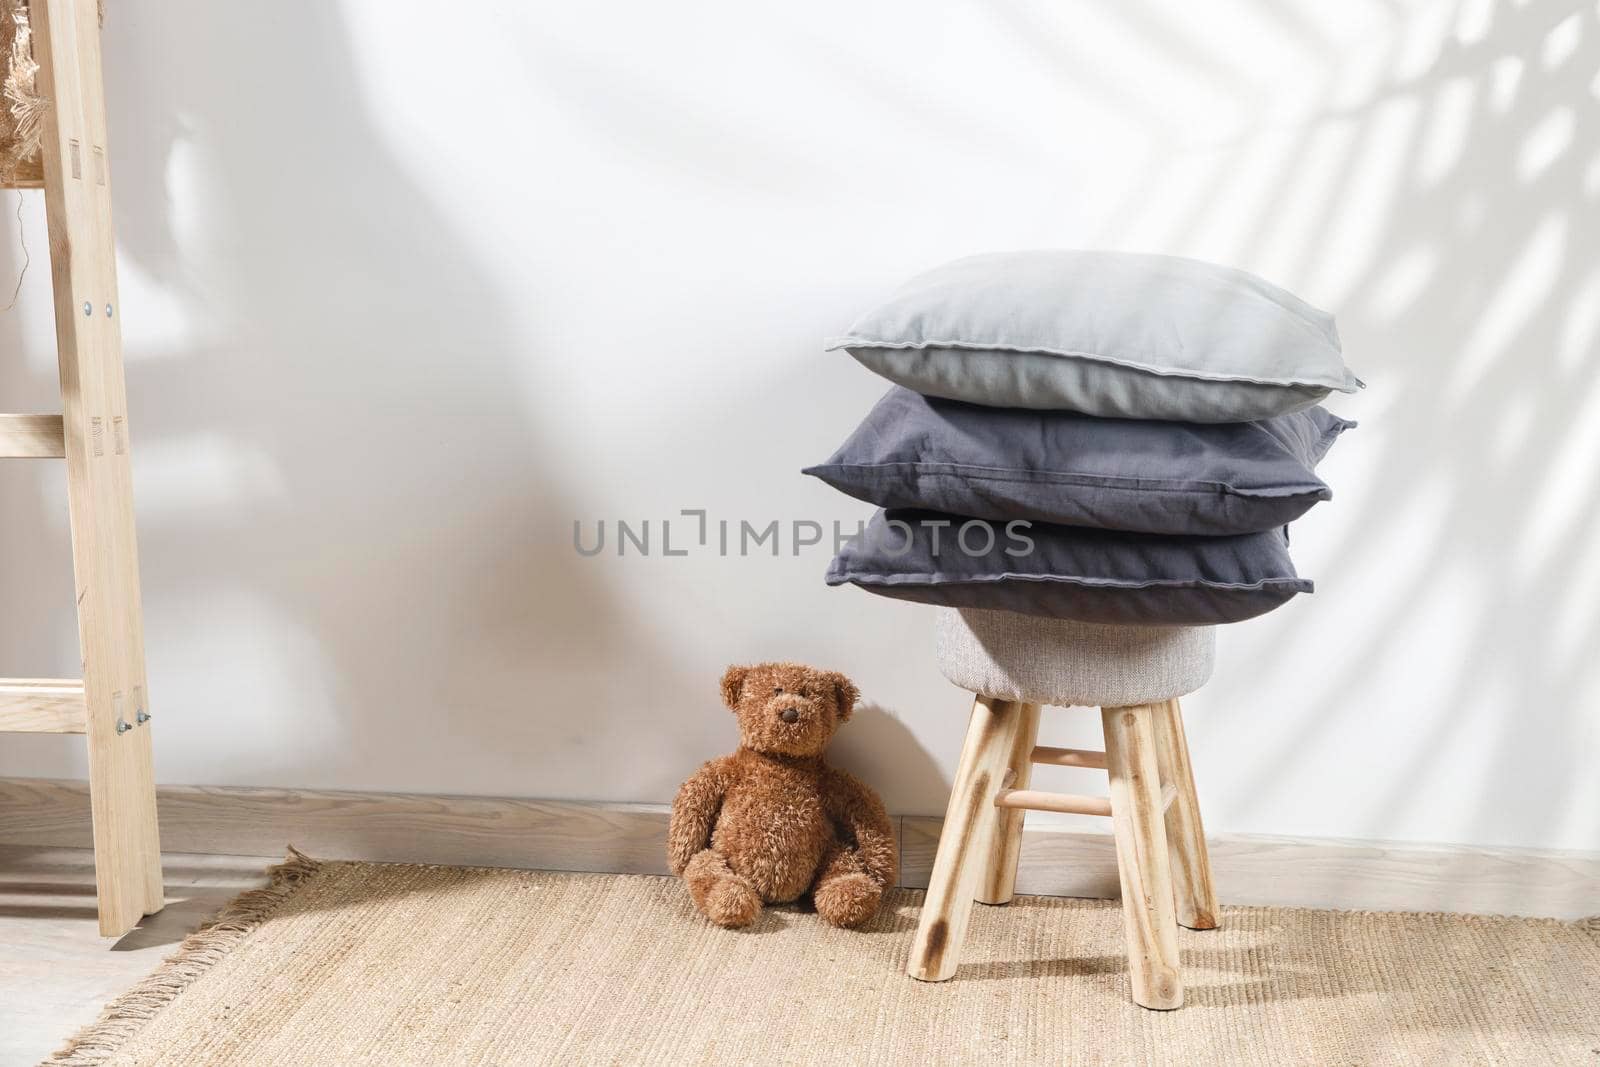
(408, 288)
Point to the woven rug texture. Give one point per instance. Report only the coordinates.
(359, 963)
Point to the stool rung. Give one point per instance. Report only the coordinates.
(1039, 800)
(1068, 803)
(1069, 757)
(42, 706)
(32, 437)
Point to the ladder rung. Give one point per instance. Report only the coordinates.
(1069, 757)
(42, 706)
(32, 437)
(1066, 803)
(29, 175)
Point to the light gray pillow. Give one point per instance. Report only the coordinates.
(1113, 334)
(1067, 572)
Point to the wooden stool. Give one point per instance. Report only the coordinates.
(1134, 674)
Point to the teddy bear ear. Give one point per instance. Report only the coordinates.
(846, 692)
(733, 685)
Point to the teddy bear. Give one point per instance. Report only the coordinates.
(772, 821)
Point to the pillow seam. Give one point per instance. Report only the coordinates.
(1303, 584)
(849, 343)
(1004, 474)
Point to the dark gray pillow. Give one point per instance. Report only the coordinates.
(1146, 476)
(1069, 572)
(1114, 334)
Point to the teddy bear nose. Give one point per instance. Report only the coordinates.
(789, 715)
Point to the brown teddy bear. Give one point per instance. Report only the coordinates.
(772, 821)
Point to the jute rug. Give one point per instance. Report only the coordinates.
(356, 963)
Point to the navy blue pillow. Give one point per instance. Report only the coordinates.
(913, 451)
(1069, 572)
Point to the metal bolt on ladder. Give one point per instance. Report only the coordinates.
(91, 435)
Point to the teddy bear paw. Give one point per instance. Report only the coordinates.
(848, 900)
(731, 903)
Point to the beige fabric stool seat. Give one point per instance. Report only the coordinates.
(1013, 664)
(1008, 656)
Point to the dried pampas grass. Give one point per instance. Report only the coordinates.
(22, 108)
(22, 105)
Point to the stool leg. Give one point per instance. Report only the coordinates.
(1186, 837)
(999, 880)
(1147, 902)
(964, 842)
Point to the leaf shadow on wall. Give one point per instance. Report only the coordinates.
(1476, 309)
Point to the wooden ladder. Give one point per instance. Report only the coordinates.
(110, 705)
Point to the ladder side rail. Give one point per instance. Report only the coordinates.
(95, 431)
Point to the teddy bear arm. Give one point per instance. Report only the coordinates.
(694, 813)
(861, 817)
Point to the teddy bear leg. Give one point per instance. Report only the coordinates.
(844, 893)
(720, 894)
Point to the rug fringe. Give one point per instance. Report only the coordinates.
(126, 1016)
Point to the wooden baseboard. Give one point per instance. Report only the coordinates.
(381, 827)
(630, 839)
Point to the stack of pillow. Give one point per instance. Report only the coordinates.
(1151, 421)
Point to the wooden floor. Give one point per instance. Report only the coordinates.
(56, 972)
